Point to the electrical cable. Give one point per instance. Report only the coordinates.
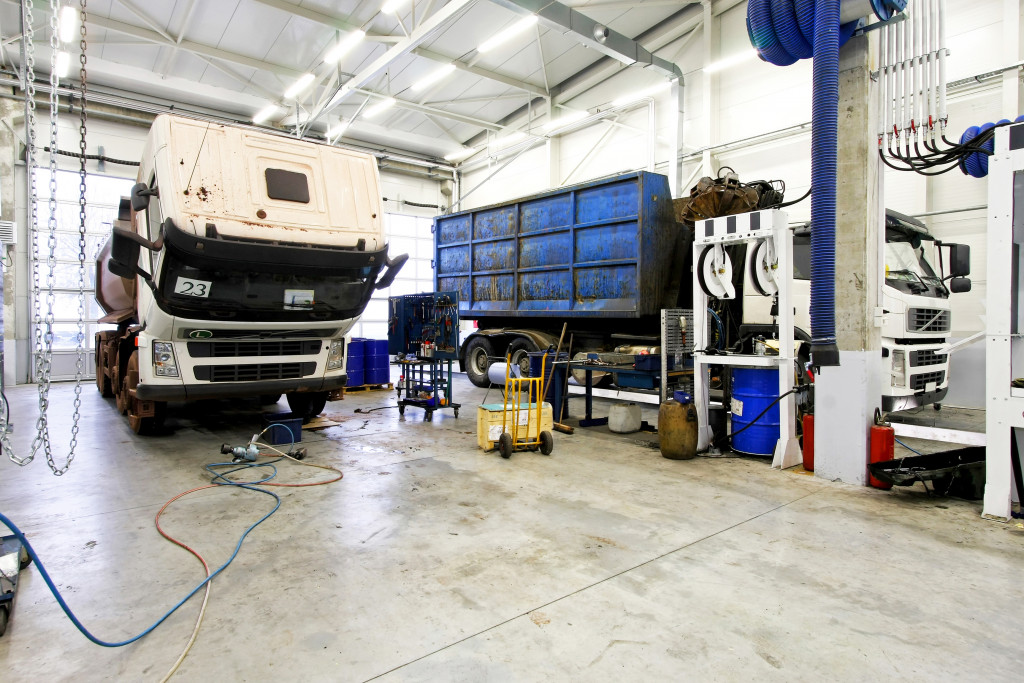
(907, 447)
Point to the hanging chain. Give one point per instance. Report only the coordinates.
(80, 357)
(29, 88)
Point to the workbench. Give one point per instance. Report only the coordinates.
(558, 395)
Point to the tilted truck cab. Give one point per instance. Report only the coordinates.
(252, 255)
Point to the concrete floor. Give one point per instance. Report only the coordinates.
(432, 560)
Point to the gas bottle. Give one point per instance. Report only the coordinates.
(883, 448)
(809, 442)
(677, 430)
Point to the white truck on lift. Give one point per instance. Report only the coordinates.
(916, 320)
(237, 268)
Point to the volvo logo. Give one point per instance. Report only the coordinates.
(200, 334)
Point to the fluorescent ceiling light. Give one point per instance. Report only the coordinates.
(640, 94)
(392, 6)
(68, 24)
(565, 119)
(298, 86)
(263, 114)
(377, 109)
(337, 130)
(735, 59)
(62, 64)
(433, 77)
(507, 140)
(508, 34)
(460, 154)
(344, 46)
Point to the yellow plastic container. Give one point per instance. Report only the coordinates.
(488, 422)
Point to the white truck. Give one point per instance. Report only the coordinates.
(916, 321)
(237, 267)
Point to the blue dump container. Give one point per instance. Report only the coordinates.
(286, 428)
(753, 390)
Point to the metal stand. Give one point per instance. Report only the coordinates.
(768, 230)
(427, 384)
(676, 342)
(1004, 318)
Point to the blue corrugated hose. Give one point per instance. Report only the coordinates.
(219, 479)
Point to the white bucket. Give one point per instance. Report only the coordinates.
(624, 418)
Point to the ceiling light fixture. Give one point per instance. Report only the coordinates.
(508, 34)
(506, 141)
(62, 64)
(433, 77)
(68, 24)
(377, 109)
(564, 120)
(655, 89)
(298, 87)
(344, 46)
(460, 154)
(735, 59)
(264, 114)
(392, 6)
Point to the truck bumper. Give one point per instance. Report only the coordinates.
(891, 404)
(161, 392)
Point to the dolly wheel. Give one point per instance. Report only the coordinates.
(505, 445)
(547, 443)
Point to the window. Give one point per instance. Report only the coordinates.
(287, 185)
(103, 194)
(406, 235)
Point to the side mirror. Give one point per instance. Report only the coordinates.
(124, 251)
(394, 265)
(959, 285)
(120, 269)
(960, 261)
(140, 196)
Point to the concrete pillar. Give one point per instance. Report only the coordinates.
(846, 396)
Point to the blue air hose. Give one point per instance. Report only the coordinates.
(218, 479)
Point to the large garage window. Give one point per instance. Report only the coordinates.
(102, 194)
(406, 235)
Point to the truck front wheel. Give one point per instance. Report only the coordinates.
(478, 359)
(307, 405)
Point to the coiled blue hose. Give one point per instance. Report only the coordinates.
(976, 164)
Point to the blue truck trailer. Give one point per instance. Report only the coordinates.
(606, 256)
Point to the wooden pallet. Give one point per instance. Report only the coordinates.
(339, 394)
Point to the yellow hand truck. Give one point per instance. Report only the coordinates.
(515, 387)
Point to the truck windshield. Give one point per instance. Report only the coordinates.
(907, 268)
(293, 296)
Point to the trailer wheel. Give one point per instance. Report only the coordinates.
(102, 379)
(478, 353)
(519, 351)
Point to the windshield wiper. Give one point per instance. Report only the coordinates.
(920, 283)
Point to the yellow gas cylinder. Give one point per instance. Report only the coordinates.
(677, 430)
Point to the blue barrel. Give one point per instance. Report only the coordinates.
(376, 347)
(355, 378)
(537, 359)
(377, 375)
(753, 390)
(356, 347)
(378, 362)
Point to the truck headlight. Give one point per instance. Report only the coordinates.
(336, 355)
(164, 362)
(899, 371)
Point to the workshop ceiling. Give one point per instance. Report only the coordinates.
(239, 56)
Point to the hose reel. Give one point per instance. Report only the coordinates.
(714, 273)
(764, 268)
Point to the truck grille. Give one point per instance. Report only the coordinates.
(258, 334)
(253, 372)
(927, 320)
(927, 357)
(920, 382)
(270, 347)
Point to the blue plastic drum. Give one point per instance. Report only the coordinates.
(753, 390)
(355, 378)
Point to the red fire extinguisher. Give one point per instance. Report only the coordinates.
(809, 442)
(883, 447)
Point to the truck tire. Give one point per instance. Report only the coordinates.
(143, 426)
(478, 353)
(308, 404)
(102, 379)
(519, 350)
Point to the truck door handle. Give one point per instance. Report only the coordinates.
(394, 265)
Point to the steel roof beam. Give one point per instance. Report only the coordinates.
(592, 34)
(324, 19)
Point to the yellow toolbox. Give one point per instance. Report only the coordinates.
(488, 422)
